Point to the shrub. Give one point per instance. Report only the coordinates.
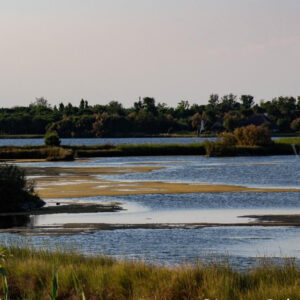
(52, 139)
(228, 138)
(250, 140)
(253, 136)
(247, 136)
(16, 193)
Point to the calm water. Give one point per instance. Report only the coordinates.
(100, 141)
(268, 171)
(243, 246)
(110, 141)
(171, 246)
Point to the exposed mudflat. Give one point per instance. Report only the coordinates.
(76, 182)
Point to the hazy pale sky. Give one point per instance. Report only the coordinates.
(173, 50)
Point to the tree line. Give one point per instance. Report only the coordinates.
(146, 117)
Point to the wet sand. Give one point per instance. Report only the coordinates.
(77, 182)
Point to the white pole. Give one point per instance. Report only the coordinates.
(295, 150)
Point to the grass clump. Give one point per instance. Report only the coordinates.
(31, 274)
(58, 154)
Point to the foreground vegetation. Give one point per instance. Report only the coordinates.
(56, 275)
(16, 193)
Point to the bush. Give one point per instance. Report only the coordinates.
(52, 139)
(250, 140)
(227, 138)
(247, 136)
(253, 136)
(16, 193)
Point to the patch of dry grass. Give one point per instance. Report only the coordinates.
(113, 188)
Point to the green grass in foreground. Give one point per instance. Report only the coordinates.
(37, 274)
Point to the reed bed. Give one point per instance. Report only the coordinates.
(36, 152)
(279, 147)
(41, 274)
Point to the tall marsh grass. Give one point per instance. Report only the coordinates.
(279, 147)
(36, 152)
(30, 275)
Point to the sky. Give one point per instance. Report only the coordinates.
(172, 50)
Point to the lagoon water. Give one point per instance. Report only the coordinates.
(105, 141)
(108, 141)
(241, 244)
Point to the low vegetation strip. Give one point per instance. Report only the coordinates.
(229, 148)
(32, 274)
(36, 152)
(69, 152)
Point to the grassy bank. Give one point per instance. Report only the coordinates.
(280, 147)
(68, 152)
(32, 275)
(36, 152)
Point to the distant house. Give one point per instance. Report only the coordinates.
(256, 119)
(260, 119)
(217, 126)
